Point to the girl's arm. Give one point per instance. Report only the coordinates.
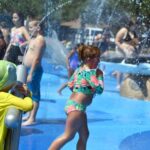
(26, 36)
(7, 51)
(68, 57)
(72, 80)
(95, 79)
(9, 100)
(8, 47)
(119, 36)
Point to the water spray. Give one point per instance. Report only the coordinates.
(49, 13)
(45, 17)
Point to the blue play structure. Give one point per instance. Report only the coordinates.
(115, 122)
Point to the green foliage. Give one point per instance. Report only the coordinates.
(27, 7)
(73, 10)
(135, 9)
(112, 9)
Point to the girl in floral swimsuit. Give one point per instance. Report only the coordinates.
(19, 38)
(86, 81)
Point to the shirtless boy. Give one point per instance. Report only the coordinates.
(32, 60)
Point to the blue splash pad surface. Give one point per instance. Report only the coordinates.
(115, 122)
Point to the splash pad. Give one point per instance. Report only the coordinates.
(108, 113)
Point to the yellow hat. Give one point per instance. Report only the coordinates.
(7, 74)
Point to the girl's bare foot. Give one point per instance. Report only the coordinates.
(25, 118)
(28, 123)
(59, 92)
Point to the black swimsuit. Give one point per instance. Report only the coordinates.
(128, 38)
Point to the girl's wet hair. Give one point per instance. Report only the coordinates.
(88, 51)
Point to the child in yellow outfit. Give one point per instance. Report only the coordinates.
(7, 80)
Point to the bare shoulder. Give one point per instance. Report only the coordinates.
(23, 28)
(123, 30)
(13, 28)
(40, 38)
(121, 33)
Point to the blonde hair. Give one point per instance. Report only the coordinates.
(37, 24)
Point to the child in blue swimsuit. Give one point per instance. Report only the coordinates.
(72, 62)
(86, 81)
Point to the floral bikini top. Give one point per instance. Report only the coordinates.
(17, 38)
(86, 81)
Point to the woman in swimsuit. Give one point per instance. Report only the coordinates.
(126, 41)
(18, 39)
(86, 81)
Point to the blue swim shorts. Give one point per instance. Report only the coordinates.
(34, 85)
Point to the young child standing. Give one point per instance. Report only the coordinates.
(86, 81)
(32, 60)
(72, 62)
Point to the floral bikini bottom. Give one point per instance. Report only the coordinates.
(72, 105)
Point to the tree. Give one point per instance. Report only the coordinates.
(97, 12)
(27, 7)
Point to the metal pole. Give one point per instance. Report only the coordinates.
(13, 117)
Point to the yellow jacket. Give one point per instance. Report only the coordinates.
(8, 100)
